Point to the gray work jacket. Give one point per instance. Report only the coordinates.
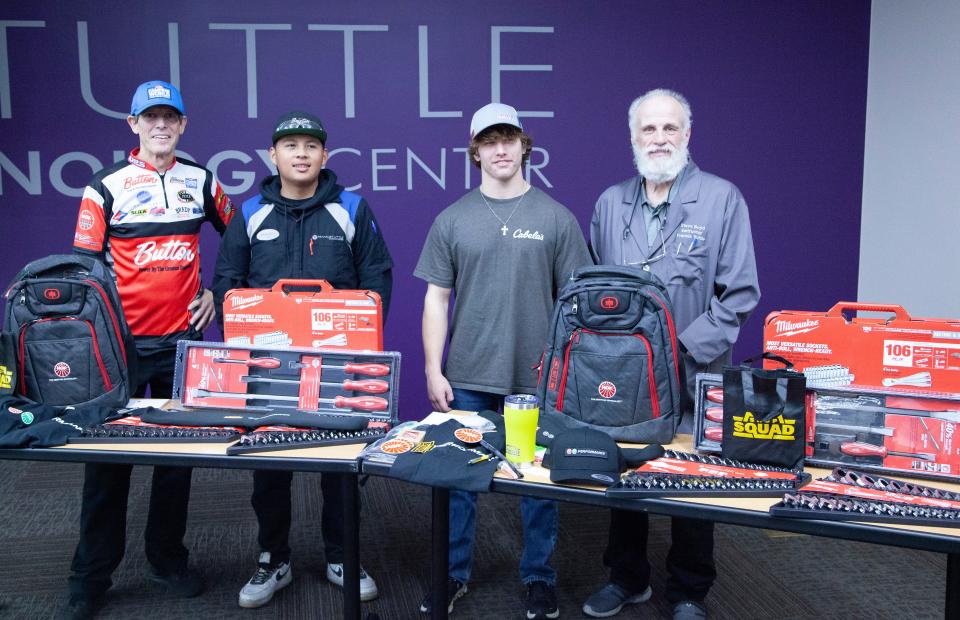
(706, 260)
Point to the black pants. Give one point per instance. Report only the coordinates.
(272, 502)
(690, 567)
(103, 515)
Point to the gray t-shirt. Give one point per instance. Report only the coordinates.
(504, 285)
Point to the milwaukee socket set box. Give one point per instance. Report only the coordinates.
(303, 313)
(275, 380)
(880, 430)
(896, 352)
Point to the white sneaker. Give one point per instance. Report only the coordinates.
(368, 587)
(268, 579)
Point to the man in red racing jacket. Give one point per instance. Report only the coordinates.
(142, 217)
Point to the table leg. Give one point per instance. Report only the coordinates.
(952, 603)
(439, 550)
(351, 547)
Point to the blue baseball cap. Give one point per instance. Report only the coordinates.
(154, 93)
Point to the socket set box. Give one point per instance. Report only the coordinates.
(271, 382)
(303, 313)
(708, 413)
(884, 431)
(898, 352)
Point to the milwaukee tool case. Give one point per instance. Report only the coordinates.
(897, 353)
(303, 313)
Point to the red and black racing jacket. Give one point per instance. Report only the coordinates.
(146, 226)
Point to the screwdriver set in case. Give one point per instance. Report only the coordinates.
(338, 382)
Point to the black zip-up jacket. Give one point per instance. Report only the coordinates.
(332, 236)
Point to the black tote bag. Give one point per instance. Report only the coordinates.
(764, 413)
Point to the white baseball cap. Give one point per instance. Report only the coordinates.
(493, 114)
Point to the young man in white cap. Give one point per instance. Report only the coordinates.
(142, 217)
(302, 224)
(503, 250)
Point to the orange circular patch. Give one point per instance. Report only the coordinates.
(468, 435)
(396, 446)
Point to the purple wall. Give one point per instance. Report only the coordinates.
(778, 93)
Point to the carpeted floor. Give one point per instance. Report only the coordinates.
(762, 574)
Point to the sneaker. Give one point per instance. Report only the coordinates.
(455, 590)
(265, 582)
(185, 584)
(82, 608)
(368, 587)
(541, 601)
(610, 599)
(689, 610)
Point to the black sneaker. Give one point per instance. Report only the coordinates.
(455, 590)
(82, 608)
(541, 601)
(185, 584)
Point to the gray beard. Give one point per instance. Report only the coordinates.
(660, 171)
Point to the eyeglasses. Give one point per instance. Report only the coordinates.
(645, 263)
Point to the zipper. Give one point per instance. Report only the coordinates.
(96, 351)
(574, 337)
(113, 317)
(673, 338)
(651, 380)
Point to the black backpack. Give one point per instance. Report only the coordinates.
(611, 359)
(73, 344)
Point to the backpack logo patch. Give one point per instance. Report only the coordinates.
(607, 389)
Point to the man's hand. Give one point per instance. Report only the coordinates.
(201, 310)
(439, 392)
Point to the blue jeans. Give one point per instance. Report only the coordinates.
(539, 516)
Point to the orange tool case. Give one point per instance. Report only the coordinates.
(303, 313)
(896, 353)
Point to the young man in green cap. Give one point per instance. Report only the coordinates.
(302, 225)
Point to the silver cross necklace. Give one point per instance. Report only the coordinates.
(503, 228)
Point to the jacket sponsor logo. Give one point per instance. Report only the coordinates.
(176, 180)
(792, 328)
(171, 250)
(6, 378)
(778, 428)
(607, 389)
(602, 478)
(526, 234)
(609, 302)
(27, 417)
(144, 196)
(51, 294)
(191, 183)
(184, 196)
(140, 179)
(85, 221)
(61, 369)
(158, 210)
(268, 234)
(328, 237)
(239, 302)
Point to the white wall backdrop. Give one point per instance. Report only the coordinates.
(910, 229)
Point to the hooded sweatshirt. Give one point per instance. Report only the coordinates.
(333, 236)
